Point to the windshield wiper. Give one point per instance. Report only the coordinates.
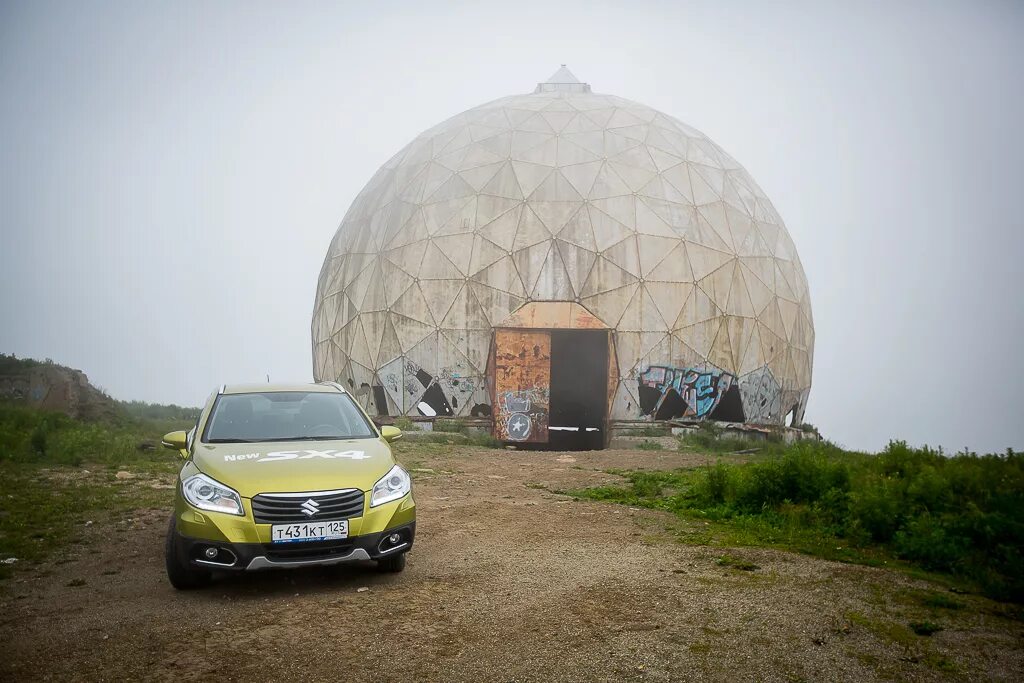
(233, 440)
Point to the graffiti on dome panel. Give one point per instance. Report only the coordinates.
(417, 391)
(668, 392)
(762, 396)
(458, 386)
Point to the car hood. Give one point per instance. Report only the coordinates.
(295, 466)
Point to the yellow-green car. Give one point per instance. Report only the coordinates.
(280, 476)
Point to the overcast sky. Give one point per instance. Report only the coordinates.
(171, 175)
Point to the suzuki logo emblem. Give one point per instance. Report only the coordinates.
(310, 507)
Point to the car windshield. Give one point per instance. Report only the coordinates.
(285, 416)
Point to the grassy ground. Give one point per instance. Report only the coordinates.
(44, 509)
(58, 475)
(959, 516)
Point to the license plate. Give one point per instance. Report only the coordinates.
(308, 531)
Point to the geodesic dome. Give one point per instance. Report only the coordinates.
(572, 196)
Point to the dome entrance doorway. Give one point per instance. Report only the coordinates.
(552, 373)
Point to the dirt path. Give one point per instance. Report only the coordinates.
(507, 582)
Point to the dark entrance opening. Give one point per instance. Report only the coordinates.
(579, 389)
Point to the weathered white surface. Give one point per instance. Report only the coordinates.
(563, 194)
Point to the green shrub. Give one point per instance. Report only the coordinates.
(646, 431)
(926, 541)
(404, 423)
(804, 474)
(736, 563)
(647, 484)
(31, 435)
(38, 440)
(709, 430)
(439, 437)
(876, 507)
(924, 628)
(158, 411)
(450, 426)
(708, 437)
(963, 515)
(484, 440)
(715, 486)
(940, 601)
(11, 364)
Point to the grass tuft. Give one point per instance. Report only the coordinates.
(483, 440)
(940, 601)
(736, 563)
(708, 439)
(924, 628)
(646, 431)
(404, 423)
(450, 426)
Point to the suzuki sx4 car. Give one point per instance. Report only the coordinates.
(286, 476)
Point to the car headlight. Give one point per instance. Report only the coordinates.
(392, 486)
(208, 494)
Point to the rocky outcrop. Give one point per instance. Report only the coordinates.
(54, 387)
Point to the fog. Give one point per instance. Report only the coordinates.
(171, 175)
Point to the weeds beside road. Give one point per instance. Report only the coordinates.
(58, 474)
(46, 510)
(961, 515)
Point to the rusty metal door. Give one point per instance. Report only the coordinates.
(522, 385)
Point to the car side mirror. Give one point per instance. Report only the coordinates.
(390, 433)
(177, 441)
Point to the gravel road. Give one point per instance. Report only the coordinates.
(508, 581)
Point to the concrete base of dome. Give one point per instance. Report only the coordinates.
(625, 434)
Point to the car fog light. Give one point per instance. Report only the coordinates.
(211, 553)
(395, 538)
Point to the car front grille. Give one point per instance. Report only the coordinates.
(291, 509)
(314, 550)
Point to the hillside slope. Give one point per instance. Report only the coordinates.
(47, 385)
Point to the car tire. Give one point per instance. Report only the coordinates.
(392, 565)
(181, 576)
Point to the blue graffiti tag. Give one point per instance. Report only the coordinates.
(701, 389)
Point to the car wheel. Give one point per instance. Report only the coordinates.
(181, 576)
(392, 565)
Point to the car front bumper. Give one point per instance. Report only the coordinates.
(242, 544)
(255, 556)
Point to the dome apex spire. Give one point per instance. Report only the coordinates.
(562, 80)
